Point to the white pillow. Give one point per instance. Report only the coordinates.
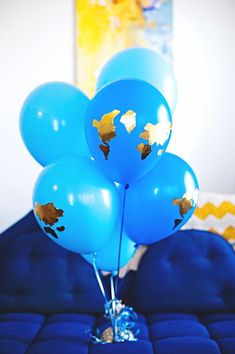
(215, 212)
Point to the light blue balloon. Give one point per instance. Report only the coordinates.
(121, 146)
(107, 258)
(76, 205)
(144, 64)
(52, 122)
(162, 202)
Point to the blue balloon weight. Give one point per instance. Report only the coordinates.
(52, 122)
(107, 257)
(76, 205)
(162, 202)
(128, 127)
(144, 64)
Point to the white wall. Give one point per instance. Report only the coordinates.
(36, 45)
(204, 121)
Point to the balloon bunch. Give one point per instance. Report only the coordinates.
(108, 185)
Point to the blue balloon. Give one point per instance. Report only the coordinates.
(107, 257)
(144, 64)
(76, 205)
(162, 202)
(128, 127)
(52, 122)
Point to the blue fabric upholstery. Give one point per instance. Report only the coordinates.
(50, 302)
(39, 276)
(164, 333)
(188, 272)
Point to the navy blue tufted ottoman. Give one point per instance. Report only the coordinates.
(184, 292)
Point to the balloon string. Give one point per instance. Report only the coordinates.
(112, 287)
(114, 309)
(121, 234)
(99, 280)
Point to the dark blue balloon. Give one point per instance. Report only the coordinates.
(76, 205)
(162, 202)
(128, 127)
(52, 122)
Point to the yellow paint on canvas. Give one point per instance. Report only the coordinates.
(104, 27)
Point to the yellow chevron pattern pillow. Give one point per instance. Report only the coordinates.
(215, 212)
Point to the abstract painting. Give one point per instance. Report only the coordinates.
(104, 27)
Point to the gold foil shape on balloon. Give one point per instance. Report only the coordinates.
(50, 231)
(156, 133)
(106, 127)
(48, 213)
(184, 205)
(105, 149)
(144, 149)
(128, 119)
(177, 222)
(107, 130)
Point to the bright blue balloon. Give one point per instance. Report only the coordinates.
(52, 122)
(76, 205)
(128, 126)
(144, 64)
(162, 202)
(107, 258)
